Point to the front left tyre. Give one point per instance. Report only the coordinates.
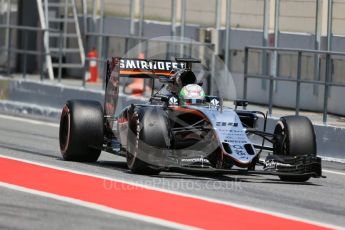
(81, 131)
(295, 136)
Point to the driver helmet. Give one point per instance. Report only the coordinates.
(192, 94)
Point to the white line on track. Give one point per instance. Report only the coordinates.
(102, 208)
(333, 172)
(35, 122)
(333, 159)
(213, 200)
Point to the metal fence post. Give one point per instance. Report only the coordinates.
(9, 51)
(84, 72)
(41, 32)
(270, 95)
(65, 24)
(130, 41)
(47, 55)
(141, 18)
(183, 24)
(274, 64)
(131, 17)
(141, 24)
(218, 14)
(245, 73)
(298, 83)
(227, 35)
(329, 25)
(329, 37)
(326, 91)
(173, 18)
(25, 45)
(101, 44)
(94, 25)
(8, 30)
(85, 29)
(317, 47)
(43, 10)
(211, 75)
(218, 17)
(265, 43)
(171, 47)
(60, 57)
(272, 82)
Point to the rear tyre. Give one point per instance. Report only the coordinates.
(295, 137)
(81, 131)
(148, 137)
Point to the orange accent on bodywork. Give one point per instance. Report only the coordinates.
(139, 72)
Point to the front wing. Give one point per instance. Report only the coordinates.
(298, 166)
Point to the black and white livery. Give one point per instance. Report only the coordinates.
(182, 129)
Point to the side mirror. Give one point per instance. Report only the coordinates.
(172, 100)
(243, 103)
(210, 98)
(214, 101)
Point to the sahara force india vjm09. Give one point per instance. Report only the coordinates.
(181, 129)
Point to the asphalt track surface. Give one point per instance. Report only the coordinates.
(319, 200)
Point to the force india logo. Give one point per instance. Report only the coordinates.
(218, 123)
(151, 65)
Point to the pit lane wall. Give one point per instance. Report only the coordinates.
(45, 100)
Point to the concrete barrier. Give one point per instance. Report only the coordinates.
(45, 99)
(29, 98)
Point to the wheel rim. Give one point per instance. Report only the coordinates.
(65, 127)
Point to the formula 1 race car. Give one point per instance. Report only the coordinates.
(181, 129)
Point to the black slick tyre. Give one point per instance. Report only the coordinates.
(81, 131)
(295, 137)
(147, 138)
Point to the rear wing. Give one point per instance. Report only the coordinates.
(141, 68)
(127, 67)
(136, 68)
(130, 67)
